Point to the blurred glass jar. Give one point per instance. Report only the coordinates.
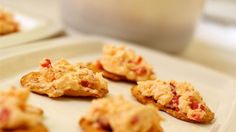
(162, 24)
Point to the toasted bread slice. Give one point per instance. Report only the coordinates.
(209, 116)
(73, 81)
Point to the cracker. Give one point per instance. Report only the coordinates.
(97, 67)
(37, 128)
(149, 100)
(34, 76)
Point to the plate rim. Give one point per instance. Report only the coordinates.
(49, 29)
(61, 41)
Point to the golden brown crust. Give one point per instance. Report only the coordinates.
(88, 126)
(37, 128)
(33, 76)
(149, 100)
(96, 67)
(82, 93)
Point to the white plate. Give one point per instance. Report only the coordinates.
(63, 114)
(32, 27)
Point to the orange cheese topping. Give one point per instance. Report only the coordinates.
(15, 112)
(119, 115)
(181, 97)
(125, 62)
(63, 76)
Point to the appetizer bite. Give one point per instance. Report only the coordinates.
(119, 63)
(63, 78)
(115, 114)
(16, 115)
(7, 23)
(179, 99)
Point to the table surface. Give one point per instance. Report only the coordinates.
(213, 46)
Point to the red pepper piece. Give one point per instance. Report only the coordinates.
(140, 70)
(139, 60)
(84, 83)
(134, 120)
(194, 103)
(4, 114)
(46, 63)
